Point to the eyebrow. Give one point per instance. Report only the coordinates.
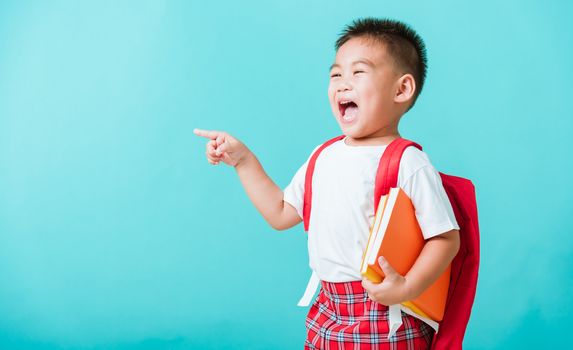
(364, 61)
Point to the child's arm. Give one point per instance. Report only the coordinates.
(263, 192)
(437, 254)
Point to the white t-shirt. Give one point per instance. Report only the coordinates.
(343, 204)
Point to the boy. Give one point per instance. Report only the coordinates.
(378, 73)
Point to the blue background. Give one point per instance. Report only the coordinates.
(115, 232)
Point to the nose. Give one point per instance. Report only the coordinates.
(343, 85)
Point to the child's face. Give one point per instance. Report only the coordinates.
(364, 74)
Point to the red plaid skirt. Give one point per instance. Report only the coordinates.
(344, 317)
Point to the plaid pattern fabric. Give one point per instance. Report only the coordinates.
(344, 317)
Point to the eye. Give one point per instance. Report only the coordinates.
(334, 75)
(359, 71)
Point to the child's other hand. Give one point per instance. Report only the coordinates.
(392, 290)
(223, 147)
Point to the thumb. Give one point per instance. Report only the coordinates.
(221, 139)
(222, 148)
(386, 267)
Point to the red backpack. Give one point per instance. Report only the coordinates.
(464, 272)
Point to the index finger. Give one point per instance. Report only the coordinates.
(210, 134)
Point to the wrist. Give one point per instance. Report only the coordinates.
(244, 160)
(409, 290)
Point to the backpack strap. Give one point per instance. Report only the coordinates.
(307, 203)
(386, 178)
(387, 174)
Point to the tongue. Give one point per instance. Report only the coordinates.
(350, 112)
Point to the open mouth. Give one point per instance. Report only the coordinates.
(348, 109)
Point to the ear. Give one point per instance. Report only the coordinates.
(406, 87)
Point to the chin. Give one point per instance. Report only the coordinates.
(351, 133)
(352, 128)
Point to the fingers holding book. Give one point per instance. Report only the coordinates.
(392, 290)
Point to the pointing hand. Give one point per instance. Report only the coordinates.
(223, 147)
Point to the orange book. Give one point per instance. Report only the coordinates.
(397, 236)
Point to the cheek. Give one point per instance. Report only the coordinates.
(331, 92)
(331, 96)
(374, 97)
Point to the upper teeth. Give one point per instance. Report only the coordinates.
(345, 102)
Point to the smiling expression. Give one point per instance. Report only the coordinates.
(362, 89)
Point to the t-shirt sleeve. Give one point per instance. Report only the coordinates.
(433, 208)
(293, 194)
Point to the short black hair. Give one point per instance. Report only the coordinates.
(404, 45)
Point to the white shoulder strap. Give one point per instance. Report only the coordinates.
(395, 318)
(435, 325)
(311, 288)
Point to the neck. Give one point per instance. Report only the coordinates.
(381, 137)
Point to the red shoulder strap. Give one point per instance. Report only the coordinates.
(387, 174)
(307, 203)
